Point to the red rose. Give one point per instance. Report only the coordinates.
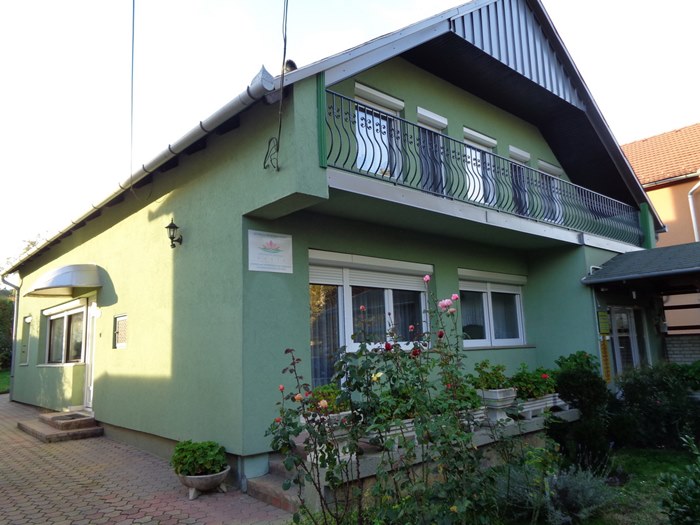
(545, 376)
(415, 352)
(278, 420)
(441, 334)
(388, 346)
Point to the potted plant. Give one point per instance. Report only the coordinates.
(200, 466)
(494, 388)
(535, 390)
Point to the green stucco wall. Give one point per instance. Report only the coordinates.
(206, 336)
(416, 87)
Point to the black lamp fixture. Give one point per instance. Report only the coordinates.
(172, 234)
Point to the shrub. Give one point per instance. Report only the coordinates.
(533, 383)
(584, 442)
(5, 358)
(331, 393)
(576, 495)
(198, 458)
(681, 501)
(488, 376)
(655, 402)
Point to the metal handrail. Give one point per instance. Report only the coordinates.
(377, 144)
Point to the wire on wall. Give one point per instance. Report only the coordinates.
(273, 145)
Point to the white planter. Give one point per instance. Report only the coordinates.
(199, 484)
(536, 407)
(496, 402)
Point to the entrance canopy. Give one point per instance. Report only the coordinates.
(65, 280)
(671, 270)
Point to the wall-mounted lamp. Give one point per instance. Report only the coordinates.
(172, 234)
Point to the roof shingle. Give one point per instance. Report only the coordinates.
(665, 156)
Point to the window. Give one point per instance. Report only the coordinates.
(364, 302)
(492, 313)
(377, 132)
(519, 180)
(120, 331)
(24, 345)
(431, 150)
(552, 190)
(66, 333)
(478, 164)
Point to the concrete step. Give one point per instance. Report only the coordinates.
(67, 420)
(50, 434)
(268, 488)
(277, 467)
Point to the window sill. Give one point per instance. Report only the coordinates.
(511, 347)
(58, 365)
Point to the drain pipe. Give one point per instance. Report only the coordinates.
(692, 210)
(13, 351)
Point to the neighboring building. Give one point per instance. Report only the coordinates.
(668, 166)
(465, 146)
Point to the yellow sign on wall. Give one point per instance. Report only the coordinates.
(605, 359)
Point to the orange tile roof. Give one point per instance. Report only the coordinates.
(665, 156)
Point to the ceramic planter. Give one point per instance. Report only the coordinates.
(496, 402)
(199, 484)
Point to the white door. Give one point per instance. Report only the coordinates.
(624, 338)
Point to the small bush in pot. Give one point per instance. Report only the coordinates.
(198, 458)
(490, 377)
(532, 384)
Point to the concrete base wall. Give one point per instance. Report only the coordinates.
(683, 349)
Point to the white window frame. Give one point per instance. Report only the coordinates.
(391, 106)
(487, 283)
(346, 271)
(117, 319)
(554, 189)
(477, 148)
(65, 311)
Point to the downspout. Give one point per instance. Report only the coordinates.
(692, 210)
(13, 351)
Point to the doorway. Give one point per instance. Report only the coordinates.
(626, 340)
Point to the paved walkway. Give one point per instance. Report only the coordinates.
(101, 481)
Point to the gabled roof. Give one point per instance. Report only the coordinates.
(672, 269)
(505, 51)
(667, 156)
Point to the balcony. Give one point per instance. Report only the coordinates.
(372, 143)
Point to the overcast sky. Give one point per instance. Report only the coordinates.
(67, 136)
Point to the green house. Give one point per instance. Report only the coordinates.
(465, 147)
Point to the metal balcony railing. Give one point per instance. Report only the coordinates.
(373, 143)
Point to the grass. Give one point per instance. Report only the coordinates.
(4, 381)
(639, 499)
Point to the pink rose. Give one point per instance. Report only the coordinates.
(411, 328)
(281, 387)
(363, 308)
(455, 297)
(426, 278)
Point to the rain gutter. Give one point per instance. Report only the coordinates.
(693, 217)
(262, 84)
(15, 314)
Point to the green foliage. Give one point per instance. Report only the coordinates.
(655, 407)
(331, 393)
(585, 442)
(383, 385)
(534, 487)
(489, 377)
(5, 358)
(533, 383)
(198, 458)
(692, 374)
(681, 500)
(4, 381)
(579, 361)
(6, 317)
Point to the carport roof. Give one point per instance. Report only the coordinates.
(672, 269)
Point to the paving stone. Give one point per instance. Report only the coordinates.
(99, 481)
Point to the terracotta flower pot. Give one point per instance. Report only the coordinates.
(199, 484)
